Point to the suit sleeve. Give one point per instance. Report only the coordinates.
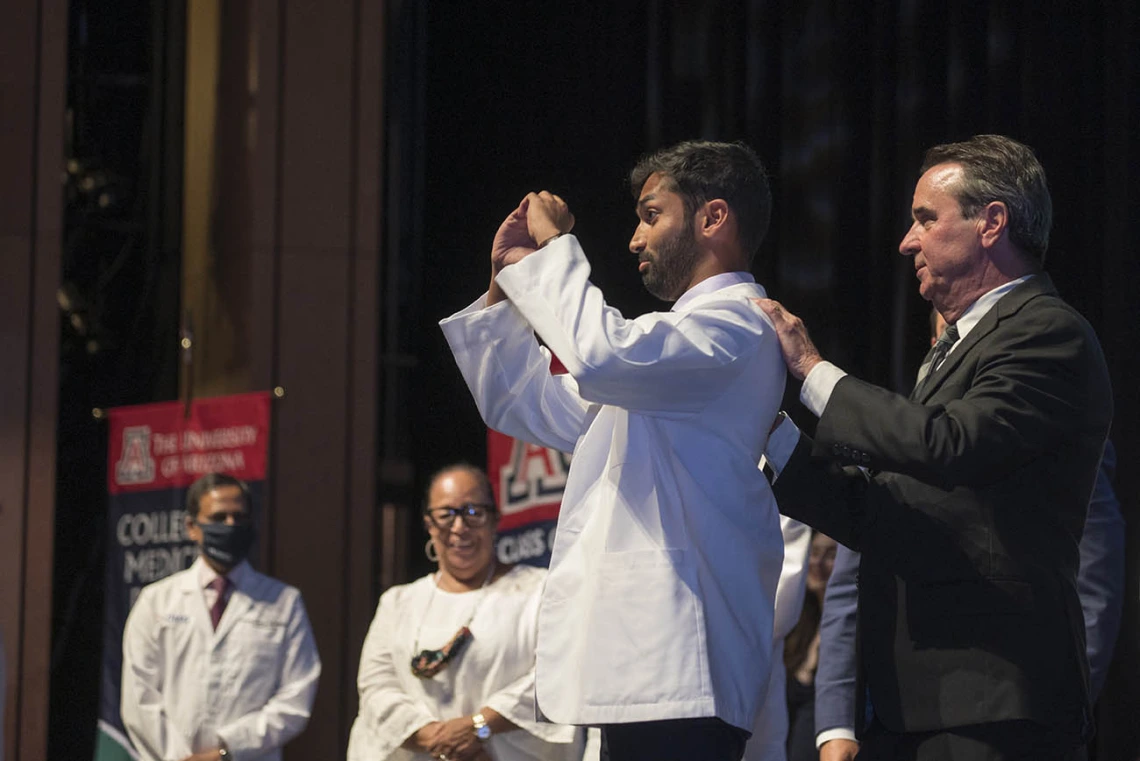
(835, 676)
(1100, 581)
(831, 498)
(151, 731)
(509, 377)
(667, 363)
(287, 712)
(1030, 393)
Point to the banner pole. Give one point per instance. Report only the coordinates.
(186, 348)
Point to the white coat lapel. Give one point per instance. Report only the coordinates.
(238, 606)
(194, 602)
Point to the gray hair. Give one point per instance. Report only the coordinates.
(997, 168)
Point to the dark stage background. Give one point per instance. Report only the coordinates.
(477, 103)
(840, 99)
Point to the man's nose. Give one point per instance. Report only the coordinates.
(637, 242)
(909, 244)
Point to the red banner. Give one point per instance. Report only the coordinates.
(157, 446)
(528, 480)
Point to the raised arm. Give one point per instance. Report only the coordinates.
(668, 362)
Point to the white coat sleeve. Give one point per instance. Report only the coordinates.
(509, 377)
(151, 731)
(661, 363)
(390, 714)
(287, 712)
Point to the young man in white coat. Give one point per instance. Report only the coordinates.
(657, 616)
(219, 660)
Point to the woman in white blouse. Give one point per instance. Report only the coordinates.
(447, 668)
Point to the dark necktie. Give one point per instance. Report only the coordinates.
(221, 585)
(935, 356)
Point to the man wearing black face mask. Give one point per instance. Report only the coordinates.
(219, 660)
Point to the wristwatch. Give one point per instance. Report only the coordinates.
(482, 731)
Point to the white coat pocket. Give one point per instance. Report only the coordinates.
(647, 622)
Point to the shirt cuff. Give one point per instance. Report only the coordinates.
(781, 444)
(818, 385)
(838, 733)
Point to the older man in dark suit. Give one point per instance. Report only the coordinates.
(969, 497)
(1100, 585)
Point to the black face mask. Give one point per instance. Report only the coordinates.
(226, 545)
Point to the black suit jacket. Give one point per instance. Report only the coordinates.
(969, 511)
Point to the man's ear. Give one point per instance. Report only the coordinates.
(993, 221)
(192, 529)
(712, 219)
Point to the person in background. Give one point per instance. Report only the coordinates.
(1100, 584)
(770, 733)
(219, 661)
(801, 652)
(447, 667)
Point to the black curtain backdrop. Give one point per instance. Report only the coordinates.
(841, 98)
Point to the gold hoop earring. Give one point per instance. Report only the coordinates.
(429, 550)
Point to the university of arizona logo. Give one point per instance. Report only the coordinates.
(532, 476)
(136, 466)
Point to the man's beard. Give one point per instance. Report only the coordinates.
(671, 265)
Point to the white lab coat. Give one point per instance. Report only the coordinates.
(188, 688)
(659, 602)
(770, 734)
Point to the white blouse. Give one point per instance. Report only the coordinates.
(495, 670)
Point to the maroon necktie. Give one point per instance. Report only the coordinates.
(221, 585)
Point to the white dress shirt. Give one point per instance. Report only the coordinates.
(495, 670)
(249, 685)
(659, 602)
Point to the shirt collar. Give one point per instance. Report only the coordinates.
(976, 311)
(206, 574)
(710, 284)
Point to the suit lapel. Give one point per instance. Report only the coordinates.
(1009, 304)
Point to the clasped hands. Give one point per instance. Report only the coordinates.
(538, 218)
(453, 739)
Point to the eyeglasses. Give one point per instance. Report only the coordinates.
(474, 515)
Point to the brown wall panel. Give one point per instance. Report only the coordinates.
(298, 180)
(33, 42)
(317, 109)
(364, 325)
